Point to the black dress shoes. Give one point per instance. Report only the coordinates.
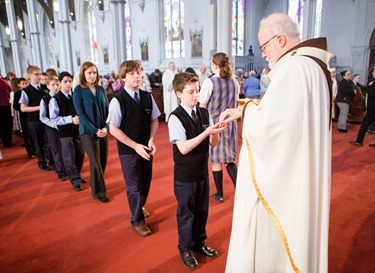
(77, 187)
(189, 259)
(372, 145)
(343, 130)
(356, 143)
(103, 199)
(83, 180)
(44, 168)
(218, 198)
(206, 250)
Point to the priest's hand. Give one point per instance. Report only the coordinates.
(229, 115)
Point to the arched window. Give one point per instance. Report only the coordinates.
(295, 10)
(318, 18)
(174, 40)
(238, 27)
(128, 32)
(91, 30)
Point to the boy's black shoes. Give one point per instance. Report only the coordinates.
(77, 187)
(343, 130)
(189, 259)
(356, 143)
(44, 168)
(206, 250)
(83, 180)
(61, 177)
(218, 198)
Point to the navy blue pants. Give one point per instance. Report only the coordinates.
(137, 173)
(55, 150)
(192, 212)
(37, 131)
(73, 156)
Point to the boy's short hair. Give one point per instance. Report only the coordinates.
(44, 74)
(128, 66)
(51, 72)
(65, 74)
(21, 80)
(31, 68)
(51, 79)
(182, 79)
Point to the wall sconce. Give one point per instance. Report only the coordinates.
(19, 24)
(142, 4)
(7, 30)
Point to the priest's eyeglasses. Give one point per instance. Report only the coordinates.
(263, 46)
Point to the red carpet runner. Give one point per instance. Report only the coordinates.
(47, 227)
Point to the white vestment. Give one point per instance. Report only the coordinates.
(170, 99)
(290, 137)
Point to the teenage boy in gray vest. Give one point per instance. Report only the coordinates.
(63, 113)
(191, 132)
(133, 121)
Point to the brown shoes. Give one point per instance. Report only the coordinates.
(142, 230)
(146, 214)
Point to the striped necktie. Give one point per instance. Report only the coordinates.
(194, 116)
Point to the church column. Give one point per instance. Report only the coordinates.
(118, 31)
(309, 8)
(34, 33)
(224, 27)
(14, 39)
(66, 46)
(2, 58)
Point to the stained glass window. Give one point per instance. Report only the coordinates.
(128, 32)
(318, 18)
(174, 40)
(238, 27)
(295, 10)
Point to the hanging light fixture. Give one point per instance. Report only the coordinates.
(56, 6)
(7, 30)
(19, 23)
(142, 4)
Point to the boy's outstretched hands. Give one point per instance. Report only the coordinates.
(216, 128)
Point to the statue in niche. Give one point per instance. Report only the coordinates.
(105, 56)
(144, 51)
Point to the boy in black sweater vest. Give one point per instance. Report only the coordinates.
(30, 104)
(133, 121)
(63, 113)
(191, 132)
(53, 149)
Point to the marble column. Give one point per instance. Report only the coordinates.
(308, 26)
(14, 37)
(118, 23)
(224, 27)
(2, 58)
(66, 46)
(34, 34)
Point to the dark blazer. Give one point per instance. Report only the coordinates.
(345, 92)
(371, 95)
